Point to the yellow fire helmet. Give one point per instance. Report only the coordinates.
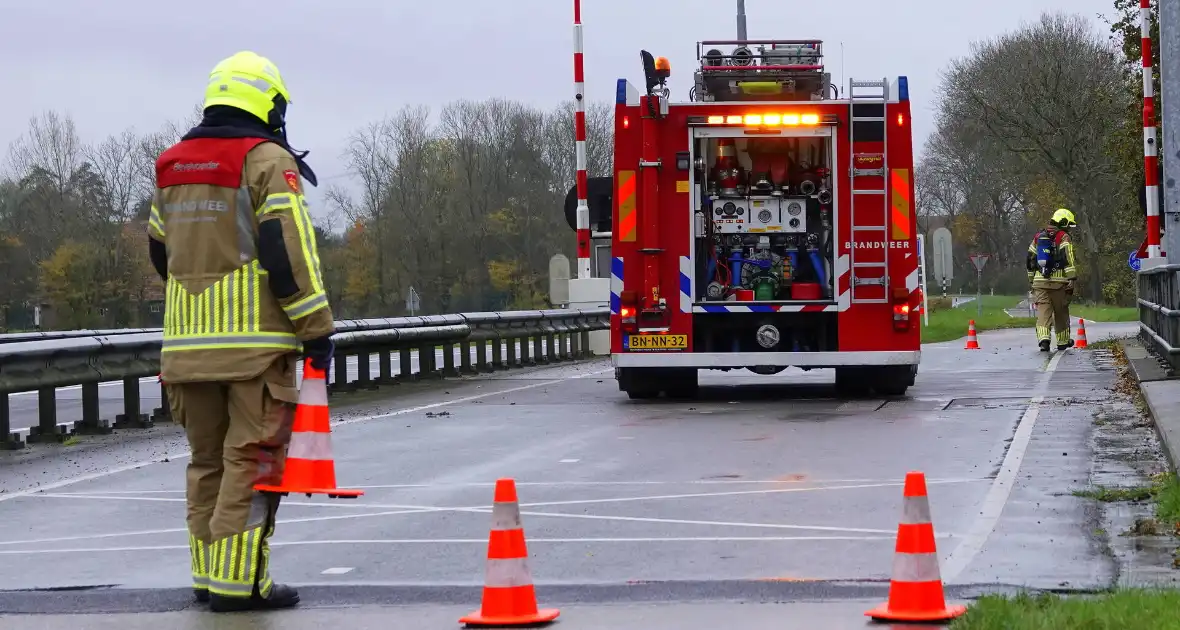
(249, 82)
(1064, 218)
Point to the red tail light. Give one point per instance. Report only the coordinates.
(901, 310)
(628, 302)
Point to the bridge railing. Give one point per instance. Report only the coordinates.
(1159, 311)
(484, 342)
(71, 334)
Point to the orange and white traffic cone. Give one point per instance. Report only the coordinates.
(509, 598)
(972, 341)
(309, 468)
(1080, 342)
(915, 589)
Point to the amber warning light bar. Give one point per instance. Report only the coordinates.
(763, 120)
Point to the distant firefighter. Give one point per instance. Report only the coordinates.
(1052, 272)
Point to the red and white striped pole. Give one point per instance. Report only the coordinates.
(580, 144)
(1150, 142)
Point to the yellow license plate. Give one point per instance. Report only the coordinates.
(657, 342)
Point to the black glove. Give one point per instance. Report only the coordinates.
(320, 351)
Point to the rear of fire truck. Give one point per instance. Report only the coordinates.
(767, 223)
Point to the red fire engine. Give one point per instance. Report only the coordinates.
(767, 223)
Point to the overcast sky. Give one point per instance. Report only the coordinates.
(138, 63)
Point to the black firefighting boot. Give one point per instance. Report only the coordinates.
(1044, 345)
(1065, 346)
(202, 595)
(280, 596)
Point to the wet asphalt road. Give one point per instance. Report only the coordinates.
(765, 489)
(23, 406)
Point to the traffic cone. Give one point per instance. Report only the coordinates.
(972, 342)
(915, 589)
(509, 598)
(1080, 342)
(310, 468)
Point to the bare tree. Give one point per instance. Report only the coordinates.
(1050, 94)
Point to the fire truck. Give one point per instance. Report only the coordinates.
(766, 223)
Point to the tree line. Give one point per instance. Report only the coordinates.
(1044, 116)
(464, 204)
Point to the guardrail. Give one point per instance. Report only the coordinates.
(71, 334)
(493, 339)
(1159, 311)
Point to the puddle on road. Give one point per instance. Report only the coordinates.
(1127, 453)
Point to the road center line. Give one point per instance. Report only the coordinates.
(400, 412)
(1001, 489)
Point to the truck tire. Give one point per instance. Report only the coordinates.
(894, 380)
(639, 383)
(852, 382)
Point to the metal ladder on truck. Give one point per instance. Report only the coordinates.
(858, 104)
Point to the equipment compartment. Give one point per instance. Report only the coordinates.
(763, 219)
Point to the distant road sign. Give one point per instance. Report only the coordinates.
(941, 260)
(979, 260)
(1134, 261)
(413, 301)
(559, 279)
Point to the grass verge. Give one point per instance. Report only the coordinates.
(1104, 313)
(951, 323)
(1164, 491)
(1127, 608)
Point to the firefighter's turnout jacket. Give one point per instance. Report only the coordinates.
(244, 284)
(1050, 294)
(1064, 267)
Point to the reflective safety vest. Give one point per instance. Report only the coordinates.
(244, 283)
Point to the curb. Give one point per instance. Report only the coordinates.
(1161, 391)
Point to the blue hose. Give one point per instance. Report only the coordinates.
(818, 263)
(735, 265)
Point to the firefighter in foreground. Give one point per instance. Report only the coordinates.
(1052, 273)
(231, 237)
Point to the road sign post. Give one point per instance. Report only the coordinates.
(941, 261)
(979, 260)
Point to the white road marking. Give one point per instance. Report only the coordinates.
(184, 530)
(997, 496)
(400, 412)
(399, 509)
(335, 570)
(492, 484)
(569, 461)
(473, 541)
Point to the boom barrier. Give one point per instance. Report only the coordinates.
(485, 342)
(1159, 311)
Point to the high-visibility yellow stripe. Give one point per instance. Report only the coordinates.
(155, 221)
(901, 204)
(628, 218)
(307, 244)
(229, 306)
(235, 565)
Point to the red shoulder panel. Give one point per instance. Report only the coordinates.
(215, 161)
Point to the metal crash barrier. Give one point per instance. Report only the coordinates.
(483, 342)
(1159, 311)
